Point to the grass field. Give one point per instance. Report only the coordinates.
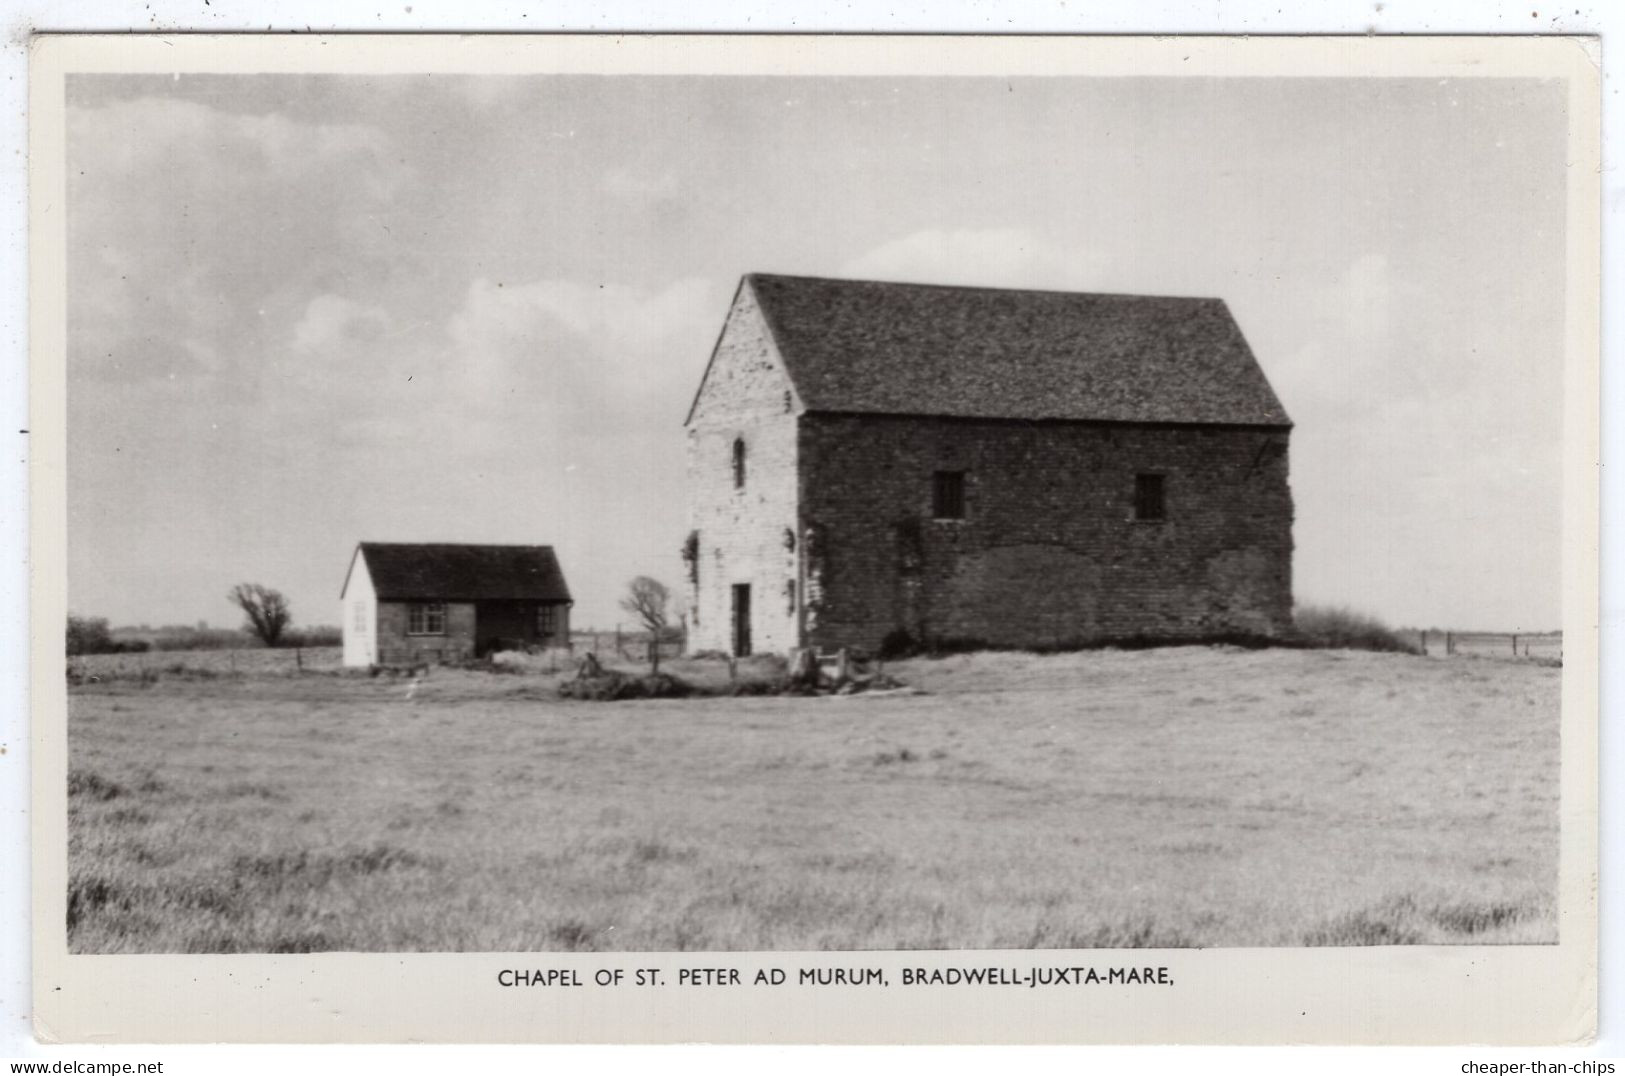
(1175, 797)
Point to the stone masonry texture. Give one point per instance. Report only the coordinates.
(396, 647)
(746, 535)
(1049, 551)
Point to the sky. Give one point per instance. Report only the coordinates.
(305, 311)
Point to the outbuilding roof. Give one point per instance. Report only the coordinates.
(919, 349)
(403, 571)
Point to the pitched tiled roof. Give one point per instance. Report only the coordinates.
(874, 347)
(441, 572)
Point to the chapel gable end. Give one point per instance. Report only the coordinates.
(746, 377)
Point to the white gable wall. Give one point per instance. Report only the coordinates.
(358, 613)
(746, 395)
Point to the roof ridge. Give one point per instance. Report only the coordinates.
(993, 288)
(462, 545)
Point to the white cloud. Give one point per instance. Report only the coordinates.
(172, 132)
(622, 337)
(636, 186)
(334, 323)
(992, 257)
(242, 213)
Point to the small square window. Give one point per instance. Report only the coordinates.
(1148, 497)
(948, 495)
(426, 618)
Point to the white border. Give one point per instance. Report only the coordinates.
(1240, 16)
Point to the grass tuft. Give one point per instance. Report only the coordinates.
(93, 786)
(1406, 921)
(572, 936)
(87, 895)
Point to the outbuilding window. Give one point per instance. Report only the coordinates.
(546, 621)
(426, 618)
(739, 463)
(948, 495)
(1149, 504)
(359, 621)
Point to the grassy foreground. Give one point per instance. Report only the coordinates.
(1179, 797)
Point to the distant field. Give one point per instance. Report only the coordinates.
(246, 660)
(1174, 797)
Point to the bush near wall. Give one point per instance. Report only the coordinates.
(1341, 628)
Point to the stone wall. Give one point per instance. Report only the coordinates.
(396, 647)
(1049, 551)
(746, 535)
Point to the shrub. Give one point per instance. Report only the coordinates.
(89, 635)
(323, 635)
(898, 643)
(1340, 628)
(613, 686)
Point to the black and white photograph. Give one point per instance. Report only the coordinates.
(879, 517)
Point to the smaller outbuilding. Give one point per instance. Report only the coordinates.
(408, 603)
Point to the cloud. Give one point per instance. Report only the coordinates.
(334, 323)
(600, 338)
(249, 217)
(145, 132)
(631, 185)
(993, 257)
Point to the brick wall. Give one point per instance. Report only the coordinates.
(396, 647)
(742, 531)
(1049, 550)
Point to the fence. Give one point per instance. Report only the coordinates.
(1489, 644)
(623, 645)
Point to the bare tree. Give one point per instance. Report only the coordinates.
(647, 600)
(266, 609)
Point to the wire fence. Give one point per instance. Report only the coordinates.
(1511, 646)
(624, 645)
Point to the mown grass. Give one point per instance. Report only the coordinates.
(1182, 797)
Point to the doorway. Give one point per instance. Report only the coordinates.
(741, 614)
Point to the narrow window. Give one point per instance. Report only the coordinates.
(546, 624)
(948, 495)
(739, 463)
(360, 621)
(426, 618)
(1148, 499)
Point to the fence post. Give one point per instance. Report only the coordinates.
(1424, 642)
(299, 659)
(1514, 646)
(1449, 643)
